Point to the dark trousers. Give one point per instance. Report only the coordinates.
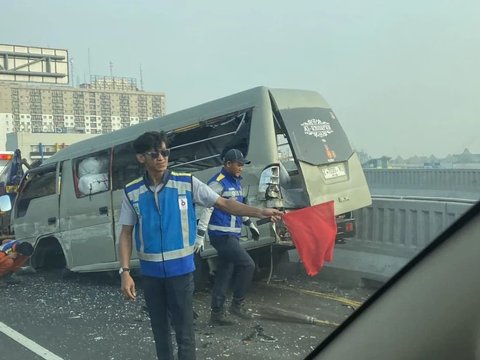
(171, 299)
(235, 267)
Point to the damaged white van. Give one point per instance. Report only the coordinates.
(300, 156)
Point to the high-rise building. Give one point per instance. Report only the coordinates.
(104, 105)
(42, 114)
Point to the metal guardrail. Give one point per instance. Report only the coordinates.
(445, 183)
(393, 230)
(425, 198)
(404, 225)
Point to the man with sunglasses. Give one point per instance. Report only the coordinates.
(159, 209)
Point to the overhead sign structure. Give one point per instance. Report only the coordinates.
(33, 64)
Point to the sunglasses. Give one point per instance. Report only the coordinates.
(156, 154)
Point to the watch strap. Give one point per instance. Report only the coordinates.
(123, 269)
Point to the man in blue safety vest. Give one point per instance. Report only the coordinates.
(158, 214)
(234, 264)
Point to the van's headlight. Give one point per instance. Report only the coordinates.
(273, 192)
(269, 186)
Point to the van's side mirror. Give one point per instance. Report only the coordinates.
(5, 203)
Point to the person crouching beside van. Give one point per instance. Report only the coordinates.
(13, 255)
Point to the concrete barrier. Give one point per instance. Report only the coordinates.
(389, 233)
(447, 183)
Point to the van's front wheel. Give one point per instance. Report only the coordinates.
(48, 255)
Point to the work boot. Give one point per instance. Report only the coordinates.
(219, 318)
(238, 309)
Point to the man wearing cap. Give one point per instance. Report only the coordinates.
(13, 255)
(234, 264)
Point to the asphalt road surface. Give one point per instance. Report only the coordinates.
(85, 317)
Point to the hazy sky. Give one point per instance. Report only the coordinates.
(401, 76)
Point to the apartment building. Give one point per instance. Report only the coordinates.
(105, 104)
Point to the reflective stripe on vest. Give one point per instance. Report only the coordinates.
(168, 255)
(225, 228)
(232, 193)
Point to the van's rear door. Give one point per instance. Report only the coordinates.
(329, 167)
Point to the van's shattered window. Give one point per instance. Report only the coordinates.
(92, 173)
(202, 146)
(125, 167)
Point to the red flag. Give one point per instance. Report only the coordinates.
(313, 231)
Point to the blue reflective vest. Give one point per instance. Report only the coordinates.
(8, 246)
(164, 235)
(222, 223)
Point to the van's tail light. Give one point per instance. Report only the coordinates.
(269, 186)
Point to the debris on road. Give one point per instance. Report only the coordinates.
(274, 313)
(258, 333)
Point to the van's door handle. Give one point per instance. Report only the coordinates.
(52, 221)
(103, 210)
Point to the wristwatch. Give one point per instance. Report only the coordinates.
(122, 270)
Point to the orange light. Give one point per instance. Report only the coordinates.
(348, 227)
(6, 156)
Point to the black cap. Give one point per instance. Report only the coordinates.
(235, 155)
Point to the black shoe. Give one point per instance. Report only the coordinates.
(219, 318)
(240, 311)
